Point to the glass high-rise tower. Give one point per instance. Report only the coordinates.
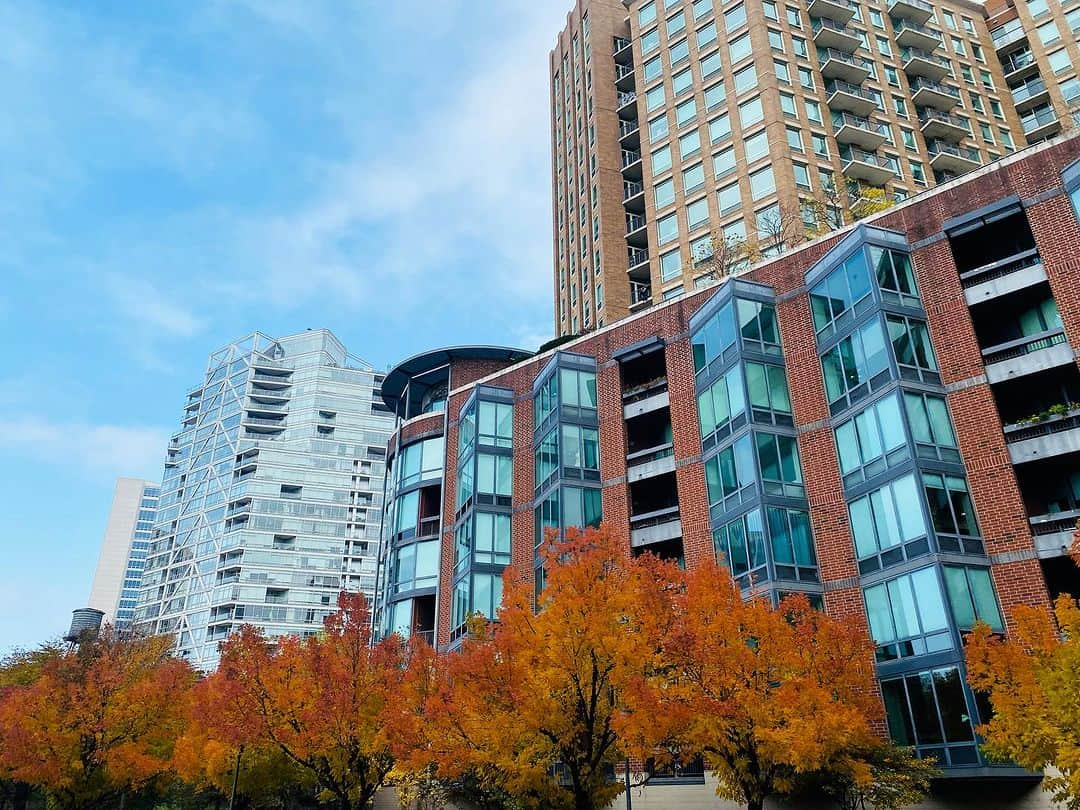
(271, 497)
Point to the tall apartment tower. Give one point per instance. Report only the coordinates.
(1038, 44)
(272, 494)
(885, 419)
(682, 130)
(123, 550)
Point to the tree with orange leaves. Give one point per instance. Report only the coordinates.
(767, 695)
(1031, 679)
(95, 723)
(535, 704)
(334, 704)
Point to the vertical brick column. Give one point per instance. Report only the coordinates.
(446, 546)
(1057, 234)
(615, 496)
(522, 523)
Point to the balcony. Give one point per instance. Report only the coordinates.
(265, 362)
(951, 157)
(915, 10)
(629, 132)
(1054, 436)
(862, 165)
(912, 35)
(937, 124)
(636, 233)
(650, 462)
(625, 100)
(918, 62)
(636, 258)
(1001, 277)
(640, 294)
(1008, 34)
(633, 195)
(622, 50)
(624, 77)
(1054, 532)
(631, 163)
(279, 380)
(847, 67)
(655, 527)
(831, 34)
(860, 131)
(1027, 355)
(926, 93)
(1018, 64)
(268, 407)
(850, 98)
(1040, 123)
(839, 10)
(1030, 94)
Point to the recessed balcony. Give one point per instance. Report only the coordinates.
(915, 10)
(854, 129)
(625, 101)
(624, 77)
(862, 165)
(629, 133)
(1040, 123)
(952, 157)
(633, 195)
(637, 230)
(926, 93)
(631, 164)
(1054, 532)
(1018, 65)
(650, 462)
(640, 294)
(1057, 435)
(1008, 34)
(850, 98)
(913, 35)
(839, 10)
(636, 258)
(938, 124)
(1030, 94)
(655, 527)
(623, 51)
(836, 64)
(1002, 277)
(918, 62)
(831, 34)
(1027, 355)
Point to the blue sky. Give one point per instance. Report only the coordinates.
(174, 175)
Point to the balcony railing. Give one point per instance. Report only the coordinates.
(827, 54)
(1054, 522)
(1038, 118)
(627, 128)
(636, 256)
(934, 87)
(1012, 349)
(1017, 60)
(1000, 268)
(255, 420)
(1028, 90)
(853, 153)
(1007, 34)
(906, 26)
(1047, 427)
(650, 454)
(639, 293)
(634, 222)
(654, 518)
(618, 43)
(630, 157)
(918, 53)
(939, 147)
(846, 119)
(631, 188)
(840, 86)
(622, 71)
(626, 98)
(928, 114)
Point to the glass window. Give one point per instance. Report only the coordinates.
(798, 45)
(787, 105)
(888, 525)
(715, 96)
(580, 448)
(952, 512)
(647, 14)
(740, 545)
(658, 128)
(1048, 33)
(689, 144)
(685, 113)
(496, 423)
(794, 139)
(813, 111)
(928, 418)
(728, 198)
(492, 543)
(493, 476)
(679, 52)
(756, 146)
(713, 338)
(661, 160)
(895, 276)
(723, 163)
(778, 459)
(581, 507)
(776, 40)
(670, 265)
(856, 366)
(701, 8)
(739, 48)
(653, 69)
(871, 441)
(650, 41)
(928, 710)
(697, 212)
(722, 408)
(667, 229)
(745, 79)
(762, 183)
(719, 128)
(706, 35)
(676, 24)
(654, 98)
(911, 345)
(802, 175)
(664, 193)
(971, 596)
(578, 388)
(730, 474)
(734, 17)
(841, 293)
(792, 544)
(710, 64)
(757, 326)
(907, 615)
(682, 81)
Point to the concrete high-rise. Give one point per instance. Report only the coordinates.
(688, 136)
(271, 498)
(123, 550)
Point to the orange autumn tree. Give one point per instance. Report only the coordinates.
(1032, 681)
(96, 723)
(768, 696)
(332, 704)
(537, 698)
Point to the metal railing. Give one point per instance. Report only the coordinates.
(655, 518)
(840, 86)
(1054, 522)
(1047, 427)
(1017, 60)
(846, 119)
(256, 420)
(853, 153)
(630, 157)
(905, 25)
(910, 53)
(633, 222)
(1000, 268)
(826, 54)
(627, 127)
(639, 293)
(636, 256)
(936, 87)
(273, 378)
(650, 454)
(929, 9)
(928, 114)
(622, 71)
(1038, 118)
(936, 146)
(631, 188)
(626, 98)
(1008, 33)
(824, 23)
(1012, 349)
(1028, 90)
(619, 43)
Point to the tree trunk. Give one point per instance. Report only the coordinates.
(21, 797)
(582, 800)
(755, 804)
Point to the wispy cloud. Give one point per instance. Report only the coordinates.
(99, 449)
(142, 303)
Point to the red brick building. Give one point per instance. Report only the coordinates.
(887, 419)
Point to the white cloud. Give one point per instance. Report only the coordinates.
(97, 449)
(139, 301)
